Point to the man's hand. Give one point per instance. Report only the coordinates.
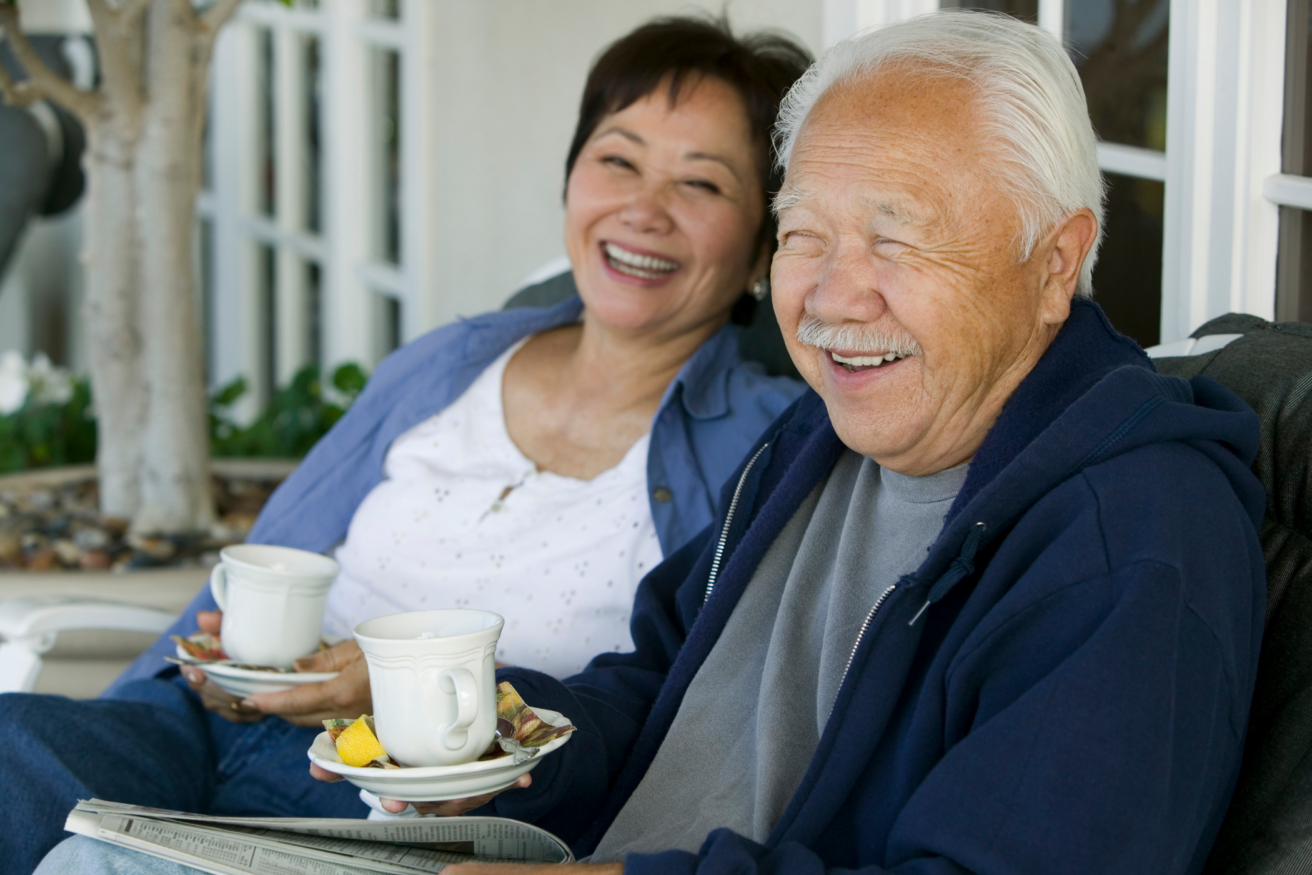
(211, 695)
(346, 695)
(541, 869)
(450, 808)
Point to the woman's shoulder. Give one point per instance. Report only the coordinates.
(474, 339)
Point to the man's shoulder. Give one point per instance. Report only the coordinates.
(1162, 512)
(1155, 497)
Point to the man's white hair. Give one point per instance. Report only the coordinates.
(1028, 93)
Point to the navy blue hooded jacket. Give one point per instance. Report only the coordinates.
(1062, 686)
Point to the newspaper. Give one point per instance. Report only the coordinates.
(315, 846)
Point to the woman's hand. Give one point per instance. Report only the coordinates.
(450, 808)
(211, 695)
(346, 695)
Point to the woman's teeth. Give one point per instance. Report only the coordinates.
(647, 267)
(865, 361)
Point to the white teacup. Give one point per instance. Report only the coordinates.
(432, 675)
(272, 600)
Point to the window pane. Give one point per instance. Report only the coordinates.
(1298, 119)
(205, 277)
(313, 165)
(1025, 10)
(314, 312)
(385, 8)
(386, 134)
(387, 325)
(1294, 268)
(267, 304)
(266, 155)
(1127, 282)
(207, 152)
(1119, 47)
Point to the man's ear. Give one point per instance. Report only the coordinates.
(1066, 247)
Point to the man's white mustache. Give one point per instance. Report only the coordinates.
(853, 337)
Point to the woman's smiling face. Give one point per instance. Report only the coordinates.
(663, 211)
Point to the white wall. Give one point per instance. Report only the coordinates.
(55, 16)
(510, 76)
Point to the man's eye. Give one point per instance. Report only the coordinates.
(798, 241)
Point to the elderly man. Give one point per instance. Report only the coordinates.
(990, 599)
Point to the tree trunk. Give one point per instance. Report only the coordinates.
(110, 312)
(174, 468)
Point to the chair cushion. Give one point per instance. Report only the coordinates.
(1268, 828)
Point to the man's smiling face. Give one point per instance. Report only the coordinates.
(897, 282)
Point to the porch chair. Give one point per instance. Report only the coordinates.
(1268, 828)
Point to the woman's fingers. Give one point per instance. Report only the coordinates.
(346, 695)
(210, 621)
(334, 658)
(324, 775)
(215, 699)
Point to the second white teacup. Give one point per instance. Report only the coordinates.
(432, 676)
(272, 600)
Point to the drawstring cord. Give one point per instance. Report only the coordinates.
(962, 566)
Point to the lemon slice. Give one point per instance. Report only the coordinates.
(357, 745)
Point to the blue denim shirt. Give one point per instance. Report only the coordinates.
(710, 415)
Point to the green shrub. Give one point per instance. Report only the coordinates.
(297, 417)
(60, 428)
(43, 433)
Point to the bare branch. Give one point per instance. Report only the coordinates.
(132, 8)
(218, 14)
(42, 81)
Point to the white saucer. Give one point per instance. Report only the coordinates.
(242, 682)
(435, 783)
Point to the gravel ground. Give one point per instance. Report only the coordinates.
(59, 528)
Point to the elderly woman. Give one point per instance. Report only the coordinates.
(535, 462)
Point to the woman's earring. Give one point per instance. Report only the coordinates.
(761, 288)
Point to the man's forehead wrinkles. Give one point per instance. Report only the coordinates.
(890, 207)
(866, 203)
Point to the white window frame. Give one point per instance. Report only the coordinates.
(349, 273)
(1221, 168)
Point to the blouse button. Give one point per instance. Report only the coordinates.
(661, 494)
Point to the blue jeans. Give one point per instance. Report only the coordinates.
(152, 744)
(80, 855)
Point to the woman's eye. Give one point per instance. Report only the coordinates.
(617, 161)
(704, 185)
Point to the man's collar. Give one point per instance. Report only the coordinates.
(1084, 351)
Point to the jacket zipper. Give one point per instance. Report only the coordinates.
(728, 519)
(879, 602)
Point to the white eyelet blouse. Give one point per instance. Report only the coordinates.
(462, 519)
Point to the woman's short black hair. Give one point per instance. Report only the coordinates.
(760, 67)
